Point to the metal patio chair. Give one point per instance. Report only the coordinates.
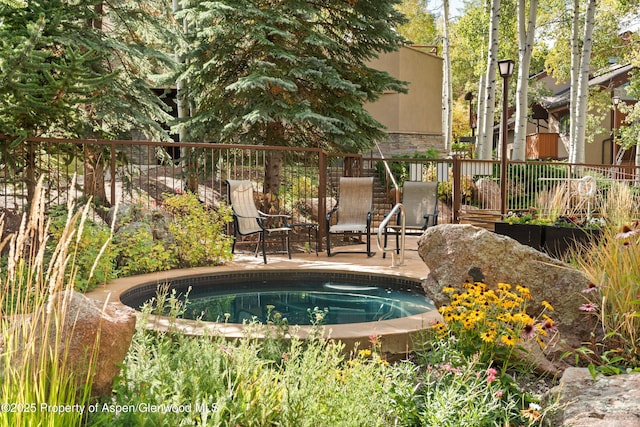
(248, 220)
(353, 211)
(420, 201)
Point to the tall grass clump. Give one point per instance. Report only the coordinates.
(612, 300)
(613, 297)
(621, 204)
(36, 378)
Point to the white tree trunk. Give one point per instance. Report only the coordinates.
(526, 32)
(575, 65)
(447, 100)
(582, 94)
(480, 137)
(490, 82)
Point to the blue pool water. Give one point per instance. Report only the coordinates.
(295, 296)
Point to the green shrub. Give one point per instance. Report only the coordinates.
(228, 384)
(199, 233)
(457, 389)
(94, 256)
(139, 253)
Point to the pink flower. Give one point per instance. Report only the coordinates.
(626, 233)
(590, 288)
(529, 330)
(549, 325)
(491, 375)
(589, 307)
(374, 339)
(499, 394)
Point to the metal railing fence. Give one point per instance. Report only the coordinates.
(302, 182)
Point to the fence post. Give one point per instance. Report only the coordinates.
(112, 171)
(322, 196)
(457, 190)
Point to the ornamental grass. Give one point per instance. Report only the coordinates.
(38, 388)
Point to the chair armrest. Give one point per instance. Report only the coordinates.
(331, 212)
(427, 217)
(266, 215)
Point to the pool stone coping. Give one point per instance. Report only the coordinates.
(397, 335)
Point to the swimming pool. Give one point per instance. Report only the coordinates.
(396, 334)
(302, 298)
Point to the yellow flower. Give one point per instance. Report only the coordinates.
(508, 304)
(505, 317)
(508, 340)
(504, 286)
(523, 318)
(364, 353)
(440, 328)
(524, 291)
(448, 290)
(445, 309)
(468, 323)
(488, 336)
(546, 305)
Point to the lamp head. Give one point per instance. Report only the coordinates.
(505, 67)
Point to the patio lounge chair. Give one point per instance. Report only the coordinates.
(248, 220)
(353, 211)
(420, 201)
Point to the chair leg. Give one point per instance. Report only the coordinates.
(288, 244)
(384, 253)
(264, 249)
(328, 243)
(369, 253)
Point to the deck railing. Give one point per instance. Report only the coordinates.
(300, 181)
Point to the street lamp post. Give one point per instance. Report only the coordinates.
(506, 70)
(469, 97)
(614, 127)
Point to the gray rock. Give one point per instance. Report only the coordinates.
(456, 253)
(85, 323)
(611, 401)
(488, 193)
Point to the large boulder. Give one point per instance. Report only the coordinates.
(488, 193)
(85, 323)
(607, 401)
(311, 207)
(457, 253)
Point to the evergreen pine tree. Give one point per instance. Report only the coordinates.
(63, 75)
(287, 72)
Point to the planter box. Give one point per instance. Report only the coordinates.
(527, 234)
(555, 241)
(559, 241)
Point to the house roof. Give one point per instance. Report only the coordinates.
(561, 98)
